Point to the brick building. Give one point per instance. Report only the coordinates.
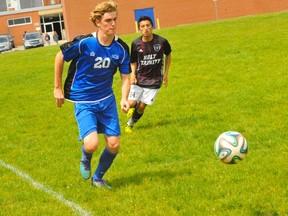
(167, 12)
(71, 17)
(17, 16)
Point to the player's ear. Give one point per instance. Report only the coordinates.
(97, 23)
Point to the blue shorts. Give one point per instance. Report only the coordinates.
(100, 116)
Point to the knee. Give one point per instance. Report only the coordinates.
(113, 145)
(141, 107)
(132, 103)
(91, 143)
(90, 147)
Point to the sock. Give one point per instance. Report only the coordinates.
(130, 122)
(105, 162)
(85, 155)
(136, 116)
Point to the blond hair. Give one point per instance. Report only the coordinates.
(101, 9)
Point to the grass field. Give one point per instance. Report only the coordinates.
(225, 75)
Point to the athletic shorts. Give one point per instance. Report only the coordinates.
(100, 116)
(145, 95)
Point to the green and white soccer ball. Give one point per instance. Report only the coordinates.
(231, 147)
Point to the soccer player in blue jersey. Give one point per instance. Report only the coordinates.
(149, 70)
(95, 59)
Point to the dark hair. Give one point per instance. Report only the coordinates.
(142, 18)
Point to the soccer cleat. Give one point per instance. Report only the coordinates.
(85, 170)
(100, 183)
(128, 129)
(130, 112)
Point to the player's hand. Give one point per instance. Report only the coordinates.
(133, 80)
(125, 105)
(59, 96)
(165, 80)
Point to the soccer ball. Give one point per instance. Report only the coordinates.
(231, 147)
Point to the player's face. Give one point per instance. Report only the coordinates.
(145, 28)
(108, 23)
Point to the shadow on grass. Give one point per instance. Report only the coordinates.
(165, 176)
(155, 124)
(181, 121)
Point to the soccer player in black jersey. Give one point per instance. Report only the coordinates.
(149, 70)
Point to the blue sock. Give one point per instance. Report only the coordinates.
(85, 155)
(105, 162)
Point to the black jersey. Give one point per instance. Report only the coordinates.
(149, 57)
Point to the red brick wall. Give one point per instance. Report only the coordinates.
(76, 17)
(169, 12)
(233, 8)
(48, 2)
(18, 31)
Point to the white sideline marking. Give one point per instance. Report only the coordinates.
(76, 208)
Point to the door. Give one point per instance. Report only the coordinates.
(145, 12)
(57, 28)
(48, 27)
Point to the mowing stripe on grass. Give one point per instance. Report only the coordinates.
(76, 208)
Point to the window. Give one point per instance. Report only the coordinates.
(30, 3)
(19, 21)
(3, 6)
(13, 4)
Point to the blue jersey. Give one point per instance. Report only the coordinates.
(90, 77)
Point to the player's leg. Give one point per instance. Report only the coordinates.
(89, 146)
(147, 98)
(87, 124)
(108, 124)
(106, 159)
(133, 104)
(138, 113)
(141, 107)
(134, 95)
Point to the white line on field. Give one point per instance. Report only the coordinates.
(76, 208)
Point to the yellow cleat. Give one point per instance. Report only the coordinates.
(128, 129)
(130, 112)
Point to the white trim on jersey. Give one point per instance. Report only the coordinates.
(73, 101)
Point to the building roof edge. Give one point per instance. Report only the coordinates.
(31, 9)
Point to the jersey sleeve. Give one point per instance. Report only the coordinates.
(133, 53)
(71, 52)
(124, 66)
(68, 48)
(167, 48)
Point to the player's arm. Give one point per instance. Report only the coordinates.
(125, 91)
(166, 69)
(58, 71)
(133, 63)
(133, 79)
(125, 69)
